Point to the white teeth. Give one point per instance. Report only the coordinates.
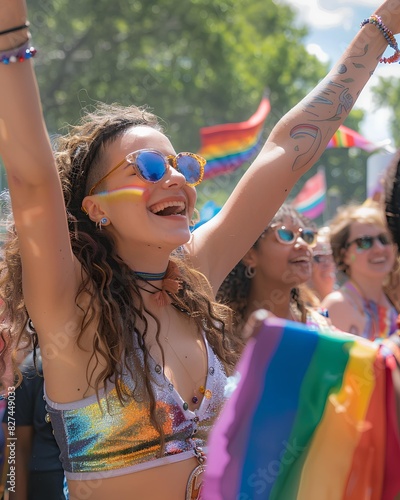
(301, 259)
(378, 261)
(180, 205)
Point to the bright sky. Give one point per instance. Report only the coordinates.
(332, 25)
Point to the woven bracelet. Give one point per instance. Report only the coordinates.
(388, 35)
(15, 28)
(18, 54)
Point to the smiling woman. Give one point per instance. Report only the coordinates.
(364, 252)
(136, 350)
(271, 273)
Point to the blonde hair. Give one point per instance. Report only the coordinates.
(340, 226)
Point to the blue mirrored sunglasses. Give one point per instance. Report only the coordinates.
(151, 166)
(288, 236)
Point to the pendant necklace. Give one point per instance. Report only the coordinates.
(197, 389)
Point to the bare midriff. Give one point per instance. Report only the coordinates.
(165, 482)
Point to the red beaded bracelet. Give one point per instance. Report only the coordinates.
(389, 37)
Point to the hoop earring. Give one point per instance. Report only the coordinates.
(249, 272)
(195, 218)
(102, 222)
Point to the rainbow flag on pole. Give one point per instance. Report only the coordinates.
(311, 200)
(347, 138)
(227, 147)
(313, 417)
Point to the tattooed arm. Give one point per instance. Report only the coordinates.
(293, 146)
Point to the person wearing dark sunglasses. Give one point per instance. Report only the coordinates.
(364, 252)
(136, 350)
(273, 273)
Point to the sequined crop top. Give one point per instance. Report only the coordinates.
(100, 442)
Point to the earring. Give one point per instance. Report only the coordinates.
(102, 222)
(195, 218)
(250, 272)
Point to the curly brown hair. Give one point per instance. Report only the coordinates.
(108, 281)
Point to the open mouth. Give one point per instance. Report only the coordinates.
(169, 208)
(300, 260)
(380, 260)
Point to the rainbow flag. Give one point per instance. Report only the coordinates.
(347, 138)
(311, 200)
(313, 417)
(227, 147)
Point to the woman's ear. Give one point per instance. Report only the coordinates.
(92, 208)
(250, 258)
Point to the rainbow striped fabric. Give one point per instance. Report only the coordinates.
(227, 147)
(312, 418)
(312, 198)
(345, 137)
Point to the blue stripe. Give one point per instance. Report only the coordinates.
(277, 410)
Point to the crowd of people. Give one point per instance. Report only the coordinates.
(138, 323)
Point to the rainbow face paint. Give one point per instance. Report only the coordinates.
(127, 193)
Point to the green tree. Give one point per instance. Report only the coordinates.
(196, 63)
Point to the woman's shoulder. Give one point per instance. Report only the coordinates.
(341, 306)
(338, 297)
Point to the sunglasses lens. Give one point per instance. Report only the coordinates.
(189, 167)
(285, 235)
(308, 236)
(365, 243)
(384, 239)
(151, 165)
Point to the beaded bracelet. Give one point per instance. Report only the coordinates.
(18, 54)
(389, 37)
(15, 28)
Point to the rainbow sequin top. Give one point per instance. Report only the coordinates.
(100, 440)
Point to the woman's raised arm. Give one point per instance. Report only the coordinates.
(37, 200)
(292, 148)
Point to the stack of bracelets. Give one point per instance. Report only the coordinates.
(388, 35)
(17, 54)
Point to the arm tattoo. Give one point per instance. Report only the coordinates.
(331, 93)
